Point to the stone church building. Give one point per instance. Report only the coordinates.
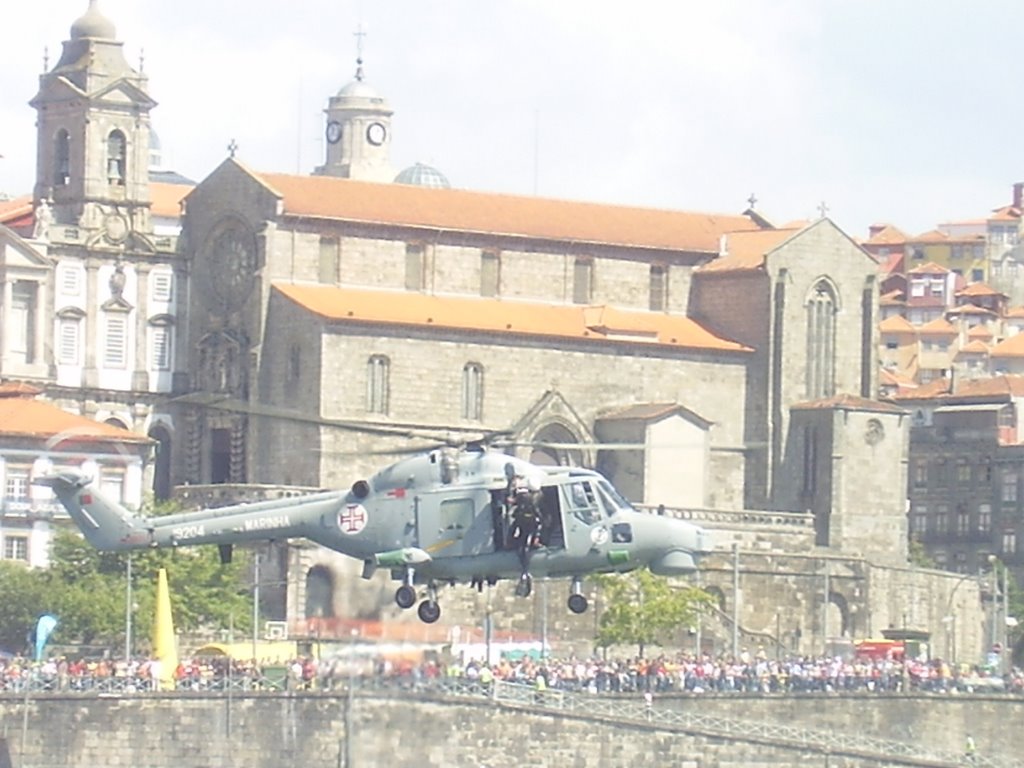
(300, 327)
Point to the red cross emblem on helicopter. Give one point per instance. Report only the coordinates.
(352, 519)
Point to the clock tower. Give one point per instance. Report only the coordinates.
(92, 157)
(357, 133)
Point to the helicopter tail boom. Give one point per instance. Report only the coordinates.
(106, 524)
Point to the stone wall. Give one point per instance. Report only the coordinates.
(417, 731)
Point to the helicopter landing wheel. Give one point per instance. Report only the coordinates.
(429, 611)
(525, 585)
(405, 596)
(577, 603)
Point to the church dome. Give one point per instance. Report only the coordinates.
(421, 175)
(93, 25)
(358, 89)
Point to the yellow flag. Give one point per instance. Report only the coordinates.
(165, 650)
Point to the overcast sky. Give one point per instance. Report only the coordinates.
(886, 110)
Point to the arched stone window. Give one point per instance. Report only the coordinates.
(319, 593)
(473, 391)
(61, 158)
(117, 158)
(821, 341)
(378, 385)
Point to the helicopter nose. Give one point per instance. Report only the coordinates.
(686, 543)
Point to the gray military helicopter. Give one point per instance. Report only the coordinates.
(450, 515)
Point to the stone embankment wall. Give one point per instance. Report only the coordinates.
(417, 731)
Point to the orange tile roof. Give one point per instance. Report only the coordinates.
(894, 297)
(746, 250)
(979, 332)
(887, 235)
(22, 416)
(929, 268)
(970, 309)
(1003, 384)
(979, 289)
(932, 389)
(975, 347)
(937, 327)
(15, 208)
(512, 318)
(897, 324)
(165, 199)
(1014, 312)
(497, 214)
(1005, 213)
(931, 236)
(1010, 347)
(18, 389)
(845, 402)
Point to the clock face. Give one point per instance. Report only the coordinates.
(333, 132)
(376, 133)
(232, 254)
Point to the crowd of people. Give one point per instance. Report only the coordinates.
(683, 673)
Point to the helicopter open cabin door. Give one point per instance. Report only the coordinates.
(581, 512)
(443, 523)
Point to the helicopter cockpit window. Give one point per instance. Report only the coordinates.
(582, 501)
(612, 499)
(456, 515)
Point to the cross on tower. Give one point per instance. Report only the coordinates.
(752, 200)
(232, 147)
(822, 209)
(359, 35)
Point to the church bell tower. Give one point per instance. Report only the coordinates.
(358, 133)
(93, 134)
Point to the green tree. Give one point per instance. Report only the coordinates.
(642, 609)
(86, 590)
(22, 599)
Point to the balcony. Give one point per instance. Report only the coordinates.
(31, 511)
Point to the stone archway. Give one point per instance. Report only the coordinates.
(319, 593)
(162, 462)
(548, 447)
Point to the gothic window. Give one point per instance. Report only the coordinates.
(473, 391)
(327, 268)
(821, 341)
(490, 271)
(117, 154)
(115, 340)
(810, 461)
(378, 384)
(414, 267)
(658, 288)
(61, 159)
(582, 281)
(942, 519)
(22, 342)
(294, 362)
